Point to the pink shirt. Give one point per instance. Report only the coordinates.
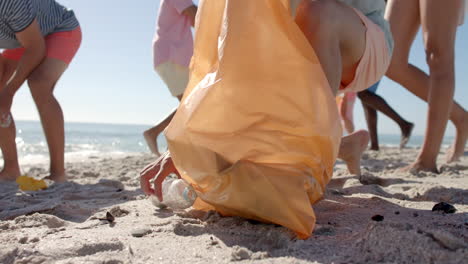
(173, 41)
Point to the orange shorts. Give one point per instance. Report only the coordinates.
(61, 45)
(375, 60)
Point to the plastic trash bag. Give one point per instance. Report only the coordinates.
(257, 132)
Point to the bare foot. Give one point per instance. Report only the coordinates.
(368, 179)
(351, 149)
(406, 134)
(58, 178)
(418, 166)
(9, 174)
(152, 142)
(457, 150)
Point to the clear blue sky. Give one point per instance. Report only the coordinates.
(112, 79)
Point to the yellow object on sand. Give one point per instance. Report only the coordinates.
(27, 183)
(257, 132)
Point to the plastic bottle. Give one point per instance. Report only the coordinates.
(5, 120)
(177, 194)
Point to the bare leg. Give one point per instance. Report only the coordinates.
(457, 150)
(439, 23)
(339, 45)
(351, 149)
(376, 102)
(11, 169)
(371, 119)
(42, 83)
(151, 135)
(404, 17)
(346, 111)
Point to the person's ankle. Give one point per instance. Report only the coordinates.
(10, 173)
(424, 163)
(374, 147)
(57, 171)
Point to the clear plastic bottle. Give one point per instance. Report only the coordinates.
(5, 120)
(177, 194)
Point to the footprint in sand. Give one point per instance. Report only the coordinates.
(39, 220)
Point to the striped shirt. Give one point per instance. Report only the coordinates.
(17, 15)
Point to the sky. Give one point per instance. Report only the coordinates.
(112, 80)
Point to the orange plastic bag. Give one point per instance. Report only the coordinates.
(257, 132)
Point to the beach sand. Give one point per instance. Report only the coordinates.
(61, 224)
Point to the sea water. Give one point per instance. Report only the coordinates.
(84, 140)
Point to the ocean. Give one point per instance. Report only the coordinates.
(89, 139)
(82, 140)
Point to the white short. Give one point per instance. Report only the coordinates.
(175, 76)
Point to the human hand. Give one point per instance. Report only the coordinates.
(160, 169)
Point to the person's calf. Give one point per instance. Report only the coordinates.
(151, 138)
(11, 168)
(457, 150)
(406, 131)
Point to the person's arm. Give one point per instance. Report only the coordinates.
(33, 42)
(186, 8)
(191, 13)
(2, 69)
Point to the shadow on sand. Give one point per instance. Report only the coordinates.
(69, 201)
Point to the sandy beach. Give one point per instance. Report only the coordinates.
(67, 223)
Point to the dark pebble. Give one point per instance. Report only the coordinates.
(444, 207)
(377, 218)
(110, 217)
(397, 212)
(415, 214)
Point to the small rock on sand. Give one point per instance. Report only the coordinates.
(377, 218)
(240, 253)
(444, 207)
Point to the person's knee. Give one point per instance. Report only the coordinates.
(439, 58)
(363, 95)
(41, 77)
(42, 99)
(41, 86)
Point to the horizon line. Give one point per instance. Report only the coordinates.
(139, 124)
